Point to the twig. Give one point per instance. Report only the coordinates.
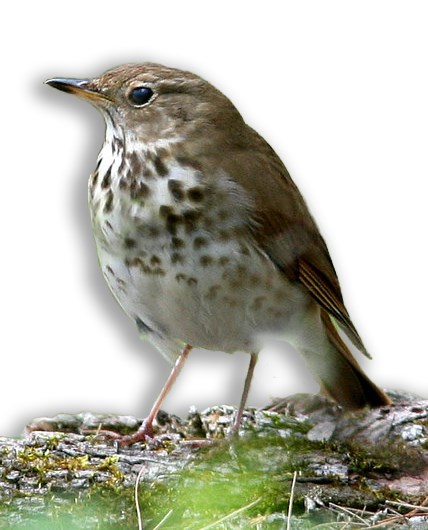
(290, 502)
(162, 520)
(155, 461)
(137, 503)
(232, 514)
(395, 518)
(388, 521)
(406, 505)
(349, 512)
(332, 524)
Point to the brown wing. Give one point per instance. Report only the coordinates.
(329, 299)
(286, 231)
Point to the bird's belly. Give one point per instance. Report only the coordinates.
(187, 269)
(221, 299)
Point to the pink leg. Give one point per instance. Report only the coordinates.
(247, 384)
(146, 429)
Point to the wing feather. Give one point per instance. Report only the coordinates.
(283, 227)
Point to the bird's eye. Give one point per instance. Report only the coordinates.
(140, 95)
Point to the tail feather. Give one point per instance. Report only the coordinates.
(343, 378)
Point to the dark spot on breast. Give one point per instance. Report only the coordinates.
(258, 302)
(117, 144)
(108, 205)
(110, 270)
(129, 175)
(128, 242)
(134, 164)
(94, 178)
(254, 280)
(224, 260)
(142, 327)
(153, 231)
(147, 173)
(155, 260)
(160, 167)
(121, 167)
(191, 218)
(133, 190)
(139, 190)
(177, 242)
(134, 262)
(199, 242)
(213, 291)
(180, 276)
(165, 210)
(172, 222)
(185, 161)
(241, 270)
(192, 281)
(244, 250)
(234, 283)
(176, 257)
(105, 183)
(176, 189)
(195, 194)
(123, 184)
(143, 267)
(206, 260)
(224, 235)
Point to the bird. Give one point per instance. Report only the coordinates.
(203, 237)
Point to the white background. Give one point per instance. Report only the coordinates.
(340, 90)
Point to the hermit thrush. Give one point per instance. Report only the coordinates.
(202, 236)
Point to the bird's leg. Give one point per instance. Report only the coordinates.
(247, 384)
(146, 429)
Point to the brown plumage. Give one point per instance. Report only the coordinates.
(204, 238)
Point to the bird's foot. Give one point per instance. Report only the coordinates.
(143, 434)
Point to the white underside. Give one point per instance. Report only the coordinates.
(228, 308)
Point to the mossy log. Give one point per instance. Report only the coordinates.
(370, 465)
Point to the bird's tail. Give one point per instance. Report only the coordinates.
(340, 375)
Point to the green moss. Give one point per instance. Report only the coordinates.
(281, 421)
(256, 468)
(36, 462)
(227, 477)
(387, 459)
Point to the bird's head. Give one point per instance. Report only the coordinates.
(149, 102)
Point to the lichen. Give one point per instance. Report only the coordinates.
(84, 482)
(39, 463)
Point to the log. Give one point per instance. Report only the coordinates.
(338, 467)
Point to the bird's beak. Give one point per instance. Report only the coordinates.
(79, 87)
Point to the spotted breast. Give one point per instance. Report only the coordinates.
(175, 249)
